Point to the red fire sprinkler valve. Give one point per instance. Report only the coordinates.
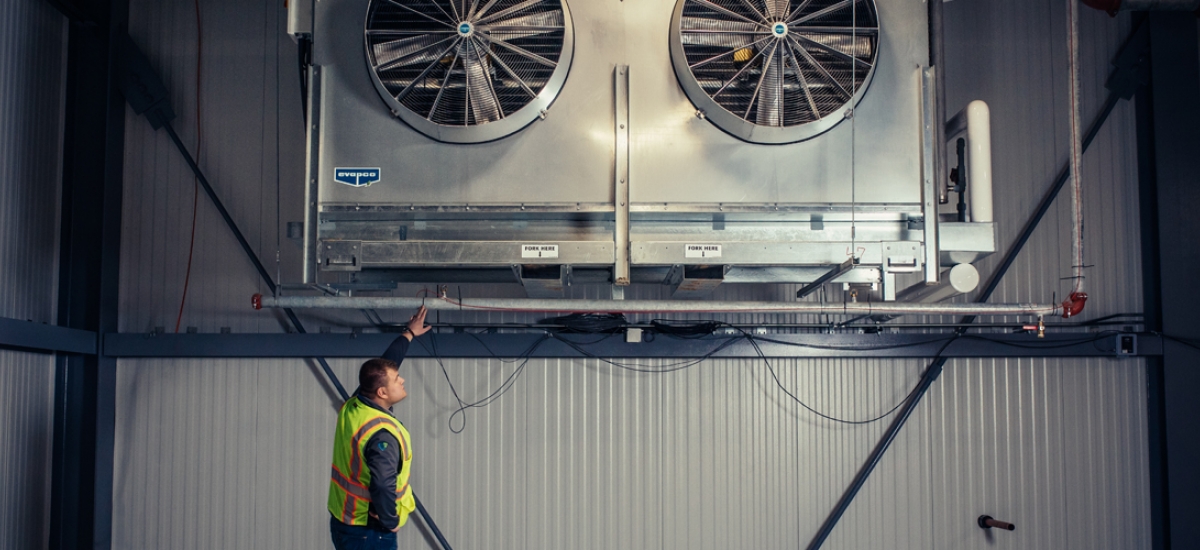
(1074, 304)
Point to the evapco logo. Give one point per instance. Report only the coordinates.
(357, 177)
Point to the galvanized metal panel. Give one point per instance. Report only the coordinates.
(27, 407)
(32, 57)
(1055, 447)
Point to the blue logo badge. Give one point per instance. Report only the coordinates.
(357, 177)
(464, 28)
(780, 29)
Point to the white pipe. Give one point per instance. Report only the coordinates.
(976, 120)
(979, 142)
(1076, 148)
(647, 306)
(956, 281)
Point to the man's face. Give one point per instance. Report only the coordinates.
(394, 389)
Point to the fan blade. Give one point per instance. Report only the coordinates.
(521, 51)
(480, 95)
(424, 73)
(792, 16)
(525, 26)
(776, 9)
(442, 88)
(513, 74)
(483, 11)
(823, 12)
(820, 68)
(726, 11)
(720, 40)
(836, 52)
(733, 51)
(422, 14)
(770, 93)
(703, 24)
(509, 11)
(846, 44)
(408, 51)
(812, 104)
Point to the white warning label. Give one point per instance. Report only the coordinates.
(702, 251)
(539, 251)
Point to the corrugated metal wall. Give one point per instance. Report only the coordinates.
(32, 40)
(581, 454)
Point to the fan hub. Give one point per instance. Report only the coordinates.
(779, 30)
(466, 29)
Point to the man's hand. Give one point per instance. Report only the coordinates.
(416, 324)
(372, 514)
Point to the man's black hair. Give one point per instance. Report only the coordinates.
(373, 375)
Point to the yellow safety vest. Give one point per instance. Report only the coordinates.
(349, 493)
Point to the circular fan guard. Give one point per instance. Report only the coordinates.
(775, 71)
(469, 71)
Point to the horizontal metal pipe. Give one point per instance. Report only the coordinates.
(648, 306)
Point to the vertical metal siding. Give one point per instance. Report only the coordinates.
(243, 84)
(1055, 446)
(1013, 55)
(32, 36)
(27, 407)
(32, 40)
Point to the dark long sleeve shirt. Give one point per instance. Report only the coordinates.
(382, 455)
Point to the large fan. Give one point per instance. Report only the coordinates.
(469, 71)
(774, 71)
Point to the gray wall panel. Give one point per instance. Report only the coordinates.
(1013, 55)
(27, 407)
(1056, 447)
(32, 50)
(576, 454)
(32, 54)
(248, 83)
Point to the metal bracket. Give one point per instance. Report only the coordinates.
(621, 185)
(929, 176)
(311, 175)
(834, 273)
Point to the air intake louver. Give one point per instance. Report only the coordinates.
(774, 71)
(469, 71)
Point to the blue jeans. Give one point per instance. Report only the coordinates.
(353, 537)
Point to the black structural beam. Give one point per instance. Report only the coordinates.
(85, 383)
(1168, 122)
(462, 345)
(38, 337)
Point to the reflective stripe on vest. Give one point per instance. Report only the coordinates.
(350, 479)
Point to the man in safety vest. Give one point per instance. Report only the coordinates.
(369, 496)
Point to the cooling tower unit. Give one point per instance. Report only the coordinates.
(690, 143)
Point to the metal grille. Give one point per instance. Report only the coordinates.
(466, 63)
(778, 63)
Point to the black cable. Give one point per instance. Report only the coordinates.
(463, 406)
(589, 323)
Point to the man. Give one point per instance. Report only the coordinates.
(369, 497)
